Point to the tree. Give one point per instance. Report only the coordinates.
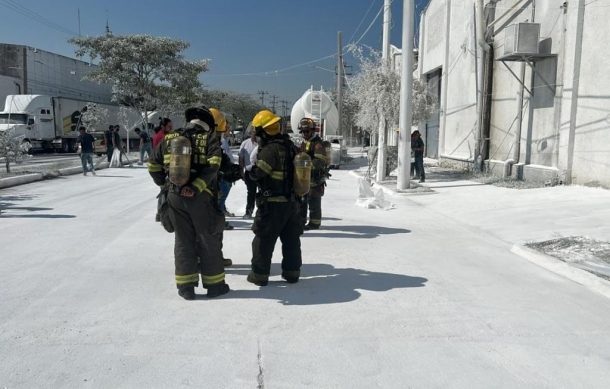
(374, 92)
(94, 116)
(145, 71)
(12, 149)
(126, 119)
(238, 106)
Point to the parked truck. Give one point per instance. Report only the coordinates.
(48, 123)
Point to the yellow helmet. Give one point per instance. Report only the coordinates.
(219, 119)
(269, 122)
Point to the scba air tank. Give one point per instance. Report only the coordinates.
(180, 161)
(302, 174)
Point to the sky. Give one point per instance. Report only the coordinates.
(237, 36)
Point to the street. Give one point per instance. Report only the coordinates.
(428, 294)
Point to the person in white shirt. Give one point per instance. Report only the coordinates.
(247, 150)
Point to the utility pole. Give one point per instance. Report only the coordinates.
(284, 107)
(273, 102)
(262, 94)
(340, 80)
(406, 103)
(385, 57)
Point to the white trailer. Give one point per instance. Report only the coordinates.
(50, 123)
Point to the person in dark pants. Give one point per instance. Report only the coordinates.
(145, 144)
(245, 151)
(86, 141)
(417, 146)
(277, 215)
(187, 161)
(108, 138)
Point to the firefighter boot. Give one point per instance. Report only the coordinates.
(311, 226)
(258, 279)
(291, 277)
(218, 290)
(187, 292)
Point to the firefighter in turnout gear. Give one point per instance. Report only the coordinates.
(186, 162)
(318, 151)
(277, 214)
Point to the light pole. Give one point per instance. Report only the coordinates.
(406, 93)
(385, 58)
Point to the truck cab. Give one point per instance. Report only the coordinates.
(30, 118)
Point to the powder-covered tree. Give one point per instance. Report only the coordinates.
(374, 91)
(12, 149)
(94, 117)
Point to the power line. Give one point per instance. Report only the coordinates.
(24, 11)
(369, 27)
(273, 72)
(362, 20)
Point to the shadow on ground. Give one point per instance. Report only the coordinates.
(358, 232)
(324, 284)
(8, 204)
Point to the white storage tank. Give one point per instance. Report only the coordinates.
(319, 106)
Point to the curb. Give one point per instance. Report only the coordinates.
(20, 180)
(417, 191)
(582, 277)
(9, 182)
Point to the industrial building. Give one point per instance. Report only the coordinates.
(523, 87)
(28, 70)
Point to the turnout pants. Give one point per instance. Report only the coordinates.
(313, 202)
(197, 248)
(276, 220)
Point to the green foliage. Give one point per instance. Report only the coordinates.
(146, 71)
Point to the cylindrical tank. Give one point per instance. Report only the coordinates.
(302, 174)
(319, 106)
(180, 161)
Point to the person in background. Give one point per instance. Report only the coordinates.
(225, 186)
(417, 146)
(245, 151)
(145, 144)
(165, 127)
(117, 143)
(85, 143)
(108, 136)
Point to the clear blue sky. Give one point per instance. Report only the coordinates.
(238, 36)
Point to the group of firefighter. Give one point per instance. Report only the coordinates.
(187, 164)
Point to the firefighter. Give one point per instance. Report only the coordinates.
(277, 214)
(316, 149)
(187, 162)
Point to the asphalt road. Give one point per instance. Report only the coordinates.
(413, 297)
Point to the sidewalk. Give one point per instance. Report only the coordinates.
(521, 215)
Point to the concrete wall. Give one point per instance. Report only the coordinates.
(458, 115)
(592, 142)
(543, 148)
